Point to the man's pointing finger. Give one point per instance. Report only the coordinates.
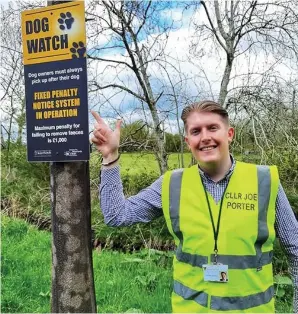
(97, 117)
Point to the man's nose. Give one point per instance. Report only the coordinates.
(205, 135)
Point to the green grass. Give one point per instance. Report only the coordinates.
(123, 282)
(139, 282)
(26, 267)
(137, 163)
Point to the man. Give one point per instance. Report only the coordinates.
(223, 276)
(222, 214)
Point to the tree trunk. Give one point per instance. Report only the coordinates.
(225, 80)
(9, 133)
(72, 270)
(160, 152)
(21, 123)
(2, 138)
(182, 151)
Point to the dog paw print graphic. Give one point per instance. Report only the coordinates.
(65, 21)
(78, 50)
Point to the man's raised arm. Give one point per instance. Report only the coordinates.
(118, 211)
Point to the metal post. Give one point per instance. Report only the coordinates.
(72, 268)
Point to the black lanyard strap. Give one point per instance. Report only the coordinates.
(215, 231)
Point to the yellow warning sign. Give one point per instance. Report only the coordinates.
(54, 33)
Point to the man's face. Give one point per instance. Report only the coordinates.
(208, 137)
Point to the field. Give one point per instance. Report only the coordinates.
(139, 282)
(132, 163)
(137, 163)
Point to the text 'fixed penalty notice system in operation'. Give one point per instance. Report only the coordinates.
(54, 46)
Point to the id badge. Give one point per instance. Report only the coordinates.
(216, 272)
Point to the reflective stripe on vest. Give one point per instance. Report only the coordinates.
(224, 303)
(189, 294)
(264, 182)
(234, 261)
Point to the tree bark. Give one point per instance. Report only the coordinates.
(225, 80)
(21, 120)
(72, 270)
(160, 150)
(9, 131)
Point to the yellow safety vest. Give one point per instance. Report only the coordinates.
(245, 241)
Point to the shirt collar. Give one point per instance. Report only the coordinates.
(227, 175)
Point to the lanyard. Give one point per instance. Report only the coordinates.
(215, 231)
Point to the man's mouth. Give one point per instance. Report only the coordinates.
(207, 148)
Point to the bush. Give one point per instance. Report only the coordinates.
(134, 183)
(150, 235)
(293, 199)
(25, 186)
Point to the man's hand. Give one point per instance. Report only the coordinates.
(106, 140)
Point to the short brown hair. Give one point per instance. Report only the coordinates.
(204, 106)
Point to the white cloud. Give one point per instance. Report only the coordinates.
(203, 72)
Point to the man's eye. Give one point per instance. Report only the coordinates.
(213, 128)
(195, 132)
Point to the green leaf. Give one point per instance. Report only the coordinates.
(133, 310)
(283, 280)
(142, 280)
(110, 282)
(133, 260)
(280, 292)
(162, 253)
(151, 276)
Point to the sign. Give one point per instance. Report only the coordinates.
(54, 49)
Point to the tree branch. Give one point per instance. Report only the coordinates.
(110, 60)
(213, 28)
(120, 87)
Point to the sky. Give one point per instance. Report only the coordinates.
(4, 2)
(204, 72)
(201, 78)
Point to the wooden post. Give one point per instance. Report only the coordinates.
(72, 268)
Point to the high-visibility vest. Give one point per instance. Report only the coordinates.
(245, 241)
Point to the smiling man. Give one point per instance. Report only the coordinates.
(223, 215)
(208, 135)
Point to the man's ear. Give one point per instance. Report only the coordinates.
(231, 133)
(186, 141)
